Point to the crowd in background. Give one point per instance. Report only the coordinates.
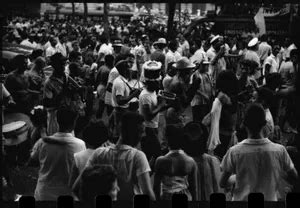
(107, 112)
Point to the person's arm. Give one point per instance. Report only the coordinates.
(157, 179)
(193, 181)
(121, 100)
(145, 184)
(267, 69)
(34, 155)
(289, 167)
(227, 168)
(142, 172)
(74, 174)
(150, 114)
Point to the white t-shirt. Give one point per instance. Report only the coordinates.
(61, 48)
(105, 49)
(148, 98)
(113, 74)
(252, 56)
(50, 51)
(28, 43)
(273, 62)
(172, 57)
(264, 49)
(120, 88)
(199, 56)
(82, 157)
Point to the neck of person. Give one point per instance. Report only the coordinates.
(65, 130)
(258, 135)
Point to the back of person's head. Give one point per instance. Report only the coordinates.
(18, 62)
(131, 128)
(196, 136)
(255, 118)
(109, 60)
(66, 119)
(265, 96)
(173, 45)
(98, 180)
(227, 83)
(95, 134)
(175, 136)
(122, 67)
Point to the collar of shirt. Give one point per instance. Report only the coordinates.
(121, 146)
(62, 134)
(175, 151)
(256, 141)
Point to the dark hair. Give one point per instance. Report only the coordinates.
(273, 81)
(173, 45)
(39, 117)
(227, 83)
(95, 134)
(196, 136)
(18, 61)
(74, 55)
(266, 95)
(264, 38)
(129, 128)
(66, 119)
(122, 67)
(175, 136)
(255, 118)
(109, 60)
(294, 52)
(36, 53)
(152, 85)
(97, 180)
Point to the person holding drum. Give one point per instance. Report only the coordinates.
(149, 107)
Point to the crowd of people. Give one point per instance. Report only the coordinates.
(109, 116)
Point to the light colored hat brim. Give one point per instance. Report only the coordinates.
(253, 42)
(215, 38)
(157, 79)
(191, 66)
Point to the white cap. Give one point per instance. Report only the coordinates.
(215, 38)
(253, 42)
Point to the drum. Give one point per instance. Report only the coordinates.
(15, 133)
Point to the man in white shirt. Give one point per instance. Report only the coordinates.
(51, 50)
(172, 55)
(61, 45)
(200, 55)
(259, 164)
(215, 55)
(271, 64)
(264, 49)
(184, 46)
(105, 48)
(121, 93)
(29, 41)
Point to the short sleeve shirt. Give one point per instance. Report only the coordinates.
(120, 88)
(259, 166)
(129, 163)
(148, 98)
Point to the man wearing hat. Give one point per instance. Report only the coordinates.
(180, 85)
(215, 55)
(201, 103)
(122, 93)
(158, 55)
(252, 55)
(149, 107)
(54, 95)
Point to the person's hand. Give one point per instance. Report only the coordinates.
(136, 93)
(11, 102)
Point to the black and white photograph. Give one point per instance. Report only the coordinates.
(155, 99)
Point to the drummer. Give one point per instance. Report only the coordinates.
(149, 107)
(16, 139)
